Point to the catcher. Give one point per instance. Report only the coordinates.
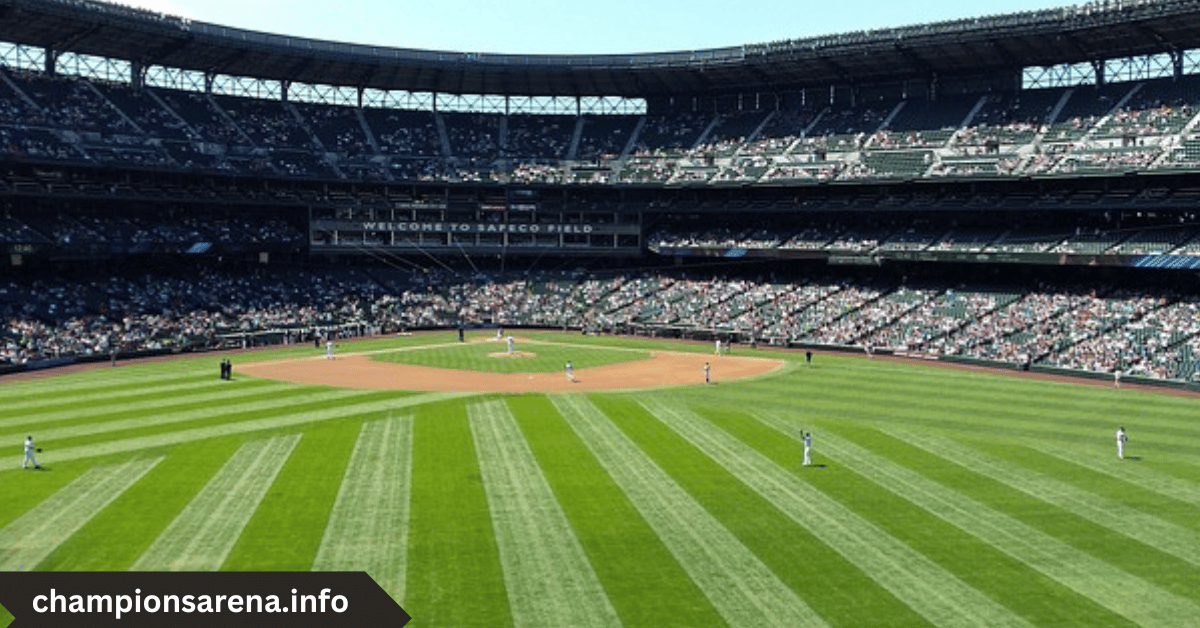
(29, 458)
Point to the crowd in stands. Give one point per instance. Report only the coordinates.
(1141, 333)
(1119, 127)
(150, 231)
(816, 235)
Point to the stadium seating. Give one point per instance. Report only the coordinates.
(1116, 128)
(1149, 332)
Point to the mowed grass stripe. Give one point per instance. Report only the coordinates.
(114, 538)
(283, 420)
(454, 574)
(644, 582)
(933, 592)
(286, 529)
(22, 489)
(889, 396)
(368, 525)
(1107, 586)
(30, 538)
(1035, 597)
(1138, 475)
(140, 420)
(1148, 529)
(33, 406)
(110, 381)
(202, 535)
(744, 590)
(170, 401)
(217, 418)
(549, 580)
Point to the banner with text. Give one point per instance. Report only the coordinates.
(473, 227)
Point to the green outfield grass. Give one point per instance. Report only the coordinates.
(938, 497)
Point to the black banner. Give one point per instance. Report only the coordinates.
(39, 599)
(468, 228)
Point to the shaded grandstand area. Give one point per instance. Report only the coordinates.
(1087, 320)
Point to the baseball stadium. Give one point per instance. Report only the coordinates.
(835, 332)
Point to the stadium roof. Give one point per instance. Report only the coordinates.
(984, 46)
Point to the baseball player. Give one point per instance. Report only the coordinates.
(1122, 438)
(29, 458)
(329, 350)
(717, 348)
(570, 372)
(807, 448)
(512, 345)
(707, 372)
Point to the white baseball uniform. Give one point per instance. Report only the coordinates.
(29, 458)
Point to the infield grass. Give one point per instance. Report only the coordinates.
(529, 357)
(939, 497)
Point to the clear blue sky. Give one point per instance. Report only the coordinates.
(562, 27)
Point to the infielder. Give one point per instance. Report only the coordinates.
(1122, 438)
(717, 349)
(29, 458)
(707, 372)
(512, 345)
(570, 372)
(329, 350)
(807, 448)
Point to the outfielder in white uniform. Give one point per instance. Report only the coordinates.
(807, 448)
(717, 349)
(1122, 438)
(512, 345)
(29, 458)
